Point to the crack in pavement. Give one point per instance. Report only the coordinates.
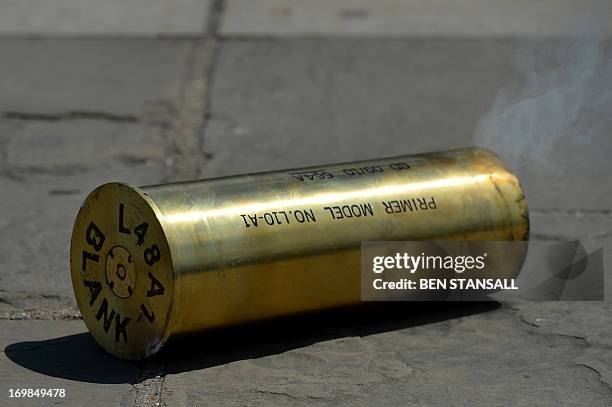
(587, 344)
(127, 160)
(5, 169)
(555, 334)
(186, 154)
(216, 16)
(601, 378)
(183, 149)
(186, 157)
(70, 115)
(288, 395)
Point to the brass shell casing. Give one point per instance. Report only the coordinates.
(153, 262)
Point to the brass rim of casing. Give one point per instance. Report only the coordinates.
(102, 308)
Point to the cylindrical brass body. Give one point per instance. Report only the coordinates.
(152, 262)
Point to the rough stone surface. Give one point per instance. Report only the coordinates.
(116, 79)
(588, 321)
(283, 104)
(79, 146)
(76, 113)
(414, 18)
(486, 357)
(112, 17)
(303, 102)
(48, 168)
(112, 111)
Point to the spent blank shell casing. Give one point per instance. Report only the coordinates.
(153, 262)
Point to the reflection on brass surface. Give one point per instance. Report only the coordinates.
(152, 262)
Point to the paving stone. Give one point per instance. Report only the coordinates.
(35, 235)
(79, 113)
(589, 320)
(119, 79)
(488, 357)
(79, 146)
(393, 18)
(284, 104)
(48, 169)
(310, 102)
(600, 360)
(112, 17)
(291, 103)
(60, 354)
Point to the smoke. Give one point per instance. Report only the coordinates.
(566, 97)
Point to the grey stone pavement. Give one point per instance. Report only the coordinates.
(159, 91)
